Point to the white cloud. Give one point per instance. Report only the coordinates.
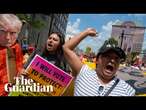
(106, 29)
(108, 26)
(106, 32)
(97, 42)
(72, 28)
(94, 43)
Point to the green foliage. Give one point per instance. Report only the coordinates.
(131, 57)
(38, 24)
(88, 50)
(112, 41)
(24, 17)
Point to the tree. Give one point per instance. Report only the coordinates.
(112, 41)
(131, 57)
(33, 24)
(88, 50)
(28, 18)
(24, 16)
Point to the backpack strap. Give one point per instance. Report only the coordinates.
(113, 86)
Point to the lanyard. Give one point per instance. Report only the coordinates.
(113, 86)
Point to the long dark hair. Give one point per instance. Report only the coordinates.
(60, 61)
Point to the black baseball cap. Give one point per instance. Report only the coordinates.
(107, 47)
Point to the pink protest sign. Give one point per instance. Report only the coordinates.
(53, 74)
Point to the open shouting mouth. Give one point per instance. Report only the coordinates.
(50, 45)
(109, 68)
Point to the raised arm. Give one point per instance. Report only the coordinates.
(68, 47)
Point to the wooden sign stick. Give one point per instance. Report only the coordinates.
(11, 65)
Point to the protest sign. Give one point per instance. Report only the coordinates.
(45, 73)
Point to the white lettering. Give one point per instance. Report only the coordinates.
(7, 87)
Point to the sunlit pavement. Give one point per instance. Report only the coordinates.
(137, 79)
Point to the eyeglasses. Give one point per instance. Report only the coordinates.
(3, 32)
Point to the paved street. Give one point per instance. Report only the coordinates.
(136, 79)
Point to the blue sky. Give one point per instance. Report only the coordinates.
(103, 24)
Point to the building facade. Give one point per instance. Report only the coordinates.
(130, 36)
(59, 23)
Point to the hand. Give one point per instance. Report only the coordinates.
(91, 32)
(23, 72)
